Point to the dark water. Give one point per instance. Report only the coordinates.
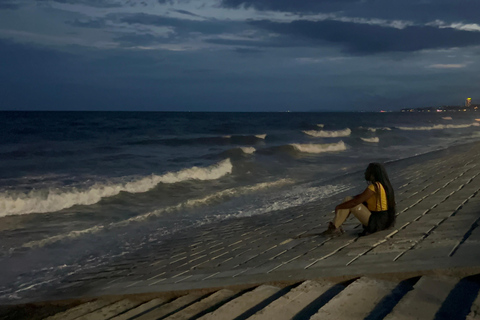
(80, 188)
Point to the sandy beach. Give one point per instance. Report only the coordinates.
(252, 265)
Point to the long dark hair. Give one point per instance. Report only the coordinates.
(376, 173)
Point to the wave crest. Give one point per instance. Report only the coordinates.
(247, 150)
(375, 129)
(441, 127)
(320, 148)
(372, 140)
(50, 200)
(212, 198)
(328, 134)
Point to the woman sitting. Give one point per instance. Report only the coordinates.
(374, 207)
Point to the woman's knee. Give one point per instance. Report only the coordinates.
(347, 199)
(360, 211)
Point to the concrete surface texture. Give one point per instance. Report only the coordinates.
(426, 297)
(260, 267)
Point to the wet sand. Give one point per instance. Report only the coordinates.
(435, 235)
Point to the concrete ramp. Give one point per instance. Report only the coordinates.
(140, 309)
(80, 310)
(110, 311)
(202, 305)
(424, 300)
(356, 301)
(171, 307)
(290, 304)
(242, 304)
(425, 297)
(475, 310)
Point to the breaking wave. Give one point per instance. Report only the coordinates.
(375, 129)
(441, 126)
(328, 134)
(247, 150)
(289, 199)
(50, 200)
(236, 152)
(320, 148)
(210, 199)
(372, 140)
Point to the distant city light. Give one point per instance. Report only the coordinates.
(468, 102)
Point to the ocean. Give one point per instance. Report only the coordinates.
(81, 189)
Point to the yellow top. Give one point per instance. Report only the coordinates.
(375, 204)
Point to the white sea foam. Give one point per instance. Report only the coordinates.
(191, 203)
(71, 235)
(447, 118)
(328, 134)
(49, 200)
(372, 140)
(441, 127)
(295, 196)
(320, 125)
(320, 148)
(248, 150)
(382, 128)
(375, 129)
(261, 136)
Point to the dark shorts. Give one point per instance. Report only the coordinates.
(378, 221)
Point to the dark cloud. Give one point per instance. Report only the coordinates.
(263, 65)
(248, 51)
(417, 10)
(182, 25)
(247, 43)
(370, 39)
(139, 39)
(288, 5)
(20, 60)
(90, 23)
(36, 78)
(92, 3)
(8, 5)
(186, 12)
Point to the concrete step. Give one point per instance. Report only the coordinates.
(140, 309)
(202, 305)
(290, 304)
(365, 298)
(171, 307)
(357, 300)
(110, 311)
(80, 310)
(475, 310)
(424, 300)
(242, 304)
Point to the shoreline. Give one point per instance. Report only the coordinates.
(435, 234)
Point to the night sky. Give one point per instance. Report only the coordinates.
(238, 55)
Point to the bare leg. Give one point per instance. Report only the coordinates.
(360, 212)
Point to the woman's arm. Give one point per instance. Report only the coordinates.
(359, 198)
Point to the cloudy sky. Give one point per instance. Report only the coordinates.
(238, 55)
